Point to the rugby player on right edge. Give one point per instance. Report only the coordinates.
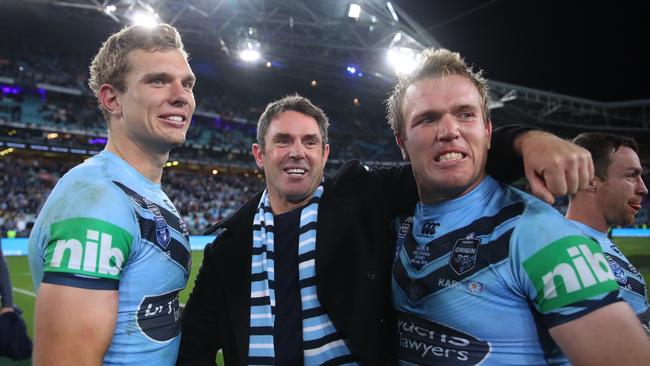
(613, 198)
(486, 273)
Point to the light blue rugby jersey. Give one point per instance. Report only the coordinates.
(107, 227)
(631, 282)
(480, 279)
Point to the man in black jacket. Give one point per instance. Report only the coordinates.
(301, 273)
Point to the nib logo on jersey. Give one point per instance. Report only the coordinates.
(569, 270)
(87, 247)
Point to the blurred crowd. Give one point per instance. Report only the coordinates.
(201, 197)
(223, 120)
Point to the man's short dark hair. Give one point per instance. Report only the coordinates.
(294, 103)
(602, 146)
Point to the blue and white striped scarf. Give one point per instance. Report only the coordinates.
(321, 341)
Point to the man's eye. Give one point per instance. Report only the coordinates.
(157, 81)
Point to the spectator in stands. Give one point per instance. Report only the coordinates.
(120, 305)
(255, 296)
(613, 198)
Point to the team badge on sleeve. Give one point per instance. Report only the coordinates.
(569, 270)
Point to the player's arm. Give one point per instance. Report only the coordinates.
(84, 249)
(73, 326)
(610, 335)
(552, 165)
(569, 281)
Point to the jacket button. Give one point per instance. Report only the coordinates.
(371, 275)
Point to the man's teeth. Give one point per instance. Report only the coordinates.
(450, 156)
(296, 171)
(175, 118)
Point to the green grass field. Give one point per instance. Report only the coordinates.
(24, 296)
(636, 249)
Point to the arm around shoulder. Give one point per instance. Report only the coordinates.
(74, 326)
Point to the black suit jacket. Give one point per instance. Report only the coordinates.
(354, 252)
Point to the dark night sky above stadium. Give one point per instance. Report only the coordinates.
(592, 49)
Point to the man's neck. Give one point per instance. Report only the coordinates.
(587, 215)
(435, 195)
(146, 162)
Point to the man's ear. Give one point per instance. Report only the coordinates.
(592, 187)
(488, 131)
(405, 154)
(109, 101)
(258, 153)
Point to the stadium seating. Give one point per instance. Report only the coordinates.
(47, 106)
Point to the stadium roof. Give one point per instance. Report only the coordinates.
(316, 40)
(302, 39)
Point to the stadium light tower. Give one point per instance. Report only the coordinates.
(354, 11)
(404, 53)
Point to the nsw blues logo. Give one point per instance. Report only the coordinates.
(163, 236)
(475, 287)
(162, 232)
(619, 272)
(464, 254)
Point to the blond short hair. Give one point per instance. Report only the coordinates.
(110, 64)
(437, 63)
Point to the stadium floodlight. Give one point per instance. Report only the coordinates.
(352, 70)
(250, 52)
(145, 18)
(110, 9)
(392, 11)
(249, 48)
(249, 55)
(354, 11)
(404, 53)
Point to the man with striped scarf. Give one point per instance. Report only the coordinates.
(301, 273)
